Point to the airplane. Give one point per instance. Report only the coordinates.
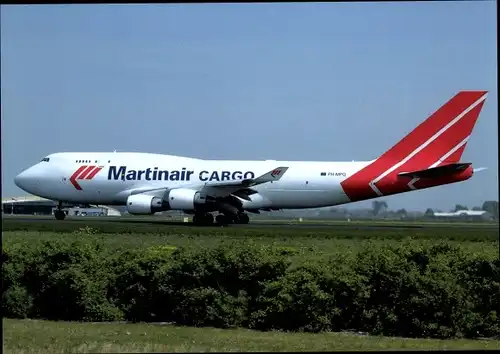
(146, 183)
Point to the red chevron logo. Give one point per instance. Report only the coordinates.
(275, 173)
(84, 172)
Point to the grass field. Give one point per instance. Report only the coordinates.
(306, 243)
(337, 230)
(27, 336)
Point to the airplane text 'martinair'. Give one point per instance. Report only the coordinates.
(154, 174)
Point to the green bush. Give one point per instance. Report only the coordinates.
(186, 286)
(136, 284)
(68, 281)
(481, 280)
(311, 298)
(413, 293)
(405, 290)
(16, 302)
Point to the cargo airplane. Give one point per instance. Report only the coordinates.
(147, 183)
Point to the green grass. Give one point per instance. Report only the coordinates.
(345, 230)
(28, 336)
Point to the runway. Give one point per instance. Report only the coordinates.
(253, 223)
(259, 223)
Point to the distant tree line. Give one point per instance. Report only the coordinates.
(490, 206)
(380, 207)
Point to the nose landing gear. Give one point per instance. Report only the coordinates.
(59, 213)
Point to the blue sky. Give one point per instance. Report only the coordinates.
(298, 81)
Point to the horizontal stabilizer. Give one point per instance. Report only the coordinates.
(436, 171)
(479, 169)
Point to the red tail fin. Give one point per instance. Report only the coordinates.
(441, 138)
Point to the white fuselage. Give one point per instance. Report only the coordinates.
(306, 184)
(428, 156)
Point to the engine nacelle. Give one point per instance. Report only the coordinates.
(140, 204)
(174, 199)
(184, 199)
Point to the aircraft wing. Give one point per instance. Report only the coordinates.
(273, 175)
(240, 188)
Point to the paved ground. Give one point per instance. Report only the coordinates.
(253, 223)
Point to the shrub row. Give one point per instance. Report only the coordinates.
(413, 291)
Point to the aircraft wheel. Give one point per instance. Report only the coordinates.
(222, 220)
(243, 218)
(203, 219)
(208, 219)
(59, 214)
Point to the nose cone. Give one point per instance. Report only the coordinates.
(27, 180)
(22, 180)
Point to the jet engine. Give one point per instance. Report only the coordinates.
(174, 199)
(184, 199)
(141, 204)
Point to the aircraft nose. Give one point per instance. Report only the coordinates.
(21, 179)
(26, 179)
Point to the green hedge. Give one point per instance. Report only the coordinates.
(412, 291)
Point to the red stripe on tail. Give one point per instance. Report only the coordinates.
(439, 135)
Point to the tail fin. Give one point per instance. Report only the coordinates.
(440, 139)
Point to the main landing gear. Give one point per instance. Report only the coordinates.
(242, 218)
(221, 219)
(203, 219)
(59, 213)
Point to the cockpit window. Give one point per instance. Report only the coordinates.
(45, 159)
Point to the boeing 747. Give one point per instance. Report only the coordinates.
(146, 183)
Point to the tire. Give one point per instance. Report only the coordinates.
(60, 215)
